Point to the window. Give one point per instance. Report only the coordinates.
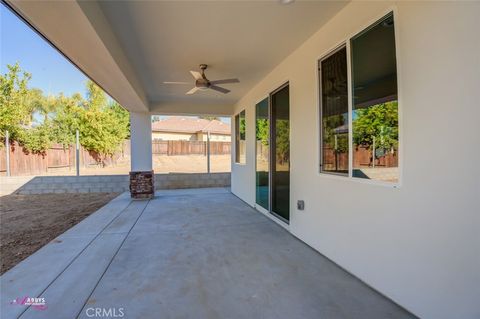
(262, 140)
(334, 113)
(373, 142)
(375, 105)
(240, 138)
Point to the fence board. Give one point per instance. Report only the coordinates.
(57, 156)
(362, 157)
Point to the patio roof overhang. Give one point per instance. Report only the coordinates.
(130, 48)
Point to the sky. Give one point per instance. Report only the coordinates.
(51, 72)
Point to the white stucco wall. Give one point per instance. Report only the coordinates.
(418, 244)
(172, 136)
(214, 137)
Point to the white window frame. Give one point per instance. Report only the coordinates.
(320, 112)
(237, 155)
(346, 43)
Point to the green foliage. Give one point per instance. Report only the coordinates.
(379, 121)
(15, 110)
(210, 118)
(282, 140)
(103, 125)
(68, 112)
(282, 137)
(242, 124)
(262, 131)
(37, 139)
(39, 104)
(329, 125)
(96, 98)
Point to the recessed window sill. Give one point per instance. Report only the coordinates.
(395, 185)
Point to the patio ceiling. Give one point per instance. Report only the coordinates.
(131, 47)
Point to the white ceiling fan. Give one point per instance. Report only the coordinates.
(202, 83)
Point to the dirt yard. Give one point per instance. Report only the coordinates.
(161, 164)
(28, 222)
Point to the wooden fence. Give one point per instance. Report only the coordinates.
(362, 157)
(189, 148)
(58, 157)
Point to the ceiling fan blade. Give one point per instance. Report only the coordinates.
(196, 75)
(219, 89)
(167, 82)
(225, 81)
(195, 89)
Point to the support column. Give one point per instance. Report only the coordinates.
(142, 184)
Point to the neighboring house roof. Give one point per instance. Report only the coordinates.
(182, 124)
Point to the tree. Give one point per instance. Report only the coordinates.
(37, 139)
(103, 126)
(15, 111)
(40, 104)
(242, 126)
(67, 118)
(17, 106)
(209, 118)
(282, 140)
(377, 123)
(262, 131)
(338, 141)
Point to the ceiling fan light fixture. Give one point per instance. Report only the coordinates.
(286, 1)
(202, 83)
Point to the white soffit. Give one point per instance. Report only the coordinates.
(237, 39)
(131, 47)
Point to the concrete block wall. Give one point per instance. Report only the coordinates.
(118, 183)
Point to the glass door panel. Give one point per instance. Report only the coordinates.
(280, 152)
(262, 127)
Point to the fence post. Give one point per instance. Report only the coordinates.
(77, 152)
(373, 155)
(7, 147)
(208, 152)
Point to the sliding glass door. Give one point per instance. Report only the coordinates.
(262, 127)
(272, 126)
(280, 152)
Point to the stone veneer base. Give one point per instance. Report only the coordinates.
(142, 185)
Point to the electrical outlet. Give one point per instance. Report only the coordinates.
(300, 205)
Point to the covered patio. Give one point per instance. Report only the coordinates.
(196, 253)
(402, 76)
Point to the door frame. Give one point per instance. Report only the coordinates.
(271, 155)
(257, 205)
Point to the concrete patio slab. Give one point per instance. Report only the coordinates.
(96, 222)
(88, 268)
(69, 292)
(203, 254)
(34, 274)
